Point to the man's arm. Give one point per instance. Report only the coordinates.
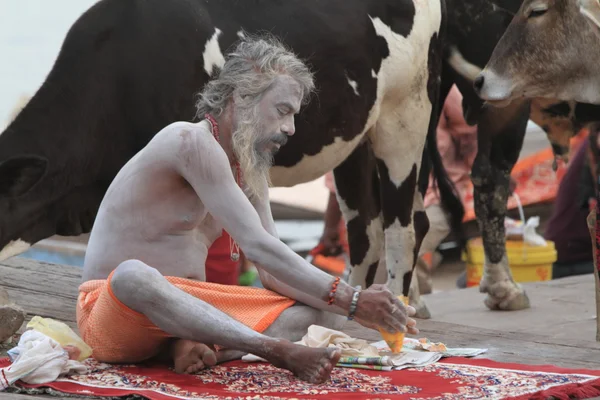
(263, 208)
(201, 161)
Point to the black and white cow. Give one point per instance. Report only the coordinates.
(128, 68)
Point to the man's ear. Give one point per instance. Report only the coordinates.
(19, 174)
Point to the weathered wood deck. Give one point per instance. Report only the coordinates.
(559, 329)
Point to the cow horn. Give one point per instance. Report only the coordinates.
(461, 66)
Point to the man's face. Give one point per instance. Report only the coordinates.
(276, 112)
(261, 131)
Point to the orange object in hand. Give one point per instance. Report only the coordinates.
(394, 340)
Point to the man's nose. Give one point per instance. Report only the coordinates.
(288, 128)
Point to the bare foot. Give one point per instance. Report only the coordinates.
(313, 365)
(190, 357)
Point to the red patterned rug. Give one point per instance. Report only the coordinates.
(450, 379)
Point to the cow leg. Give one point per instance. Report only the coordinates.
(500, 138)
(420, 219)
(357, 189)
(398, 143)
(421, 224)
(414, 294)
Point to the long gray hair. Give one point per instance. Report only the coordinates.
(249, 70)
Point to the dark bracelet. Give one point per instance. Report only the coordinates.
(354, 303)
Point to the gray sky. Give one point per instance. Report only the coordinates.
(31, 33)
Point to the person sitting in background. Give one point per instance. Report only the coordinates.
(567, 226)
(457, 144)
(332, 251)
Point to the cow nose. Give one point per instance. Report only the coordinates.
(478, 83)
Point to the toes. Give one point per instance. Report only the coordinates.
(209, 358)
(192, 369)
(199, 367)
(334, 355)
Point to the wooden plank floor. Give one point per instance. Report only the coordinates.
(559, 329)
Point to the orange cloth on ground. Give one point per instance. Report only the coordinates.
(117, 333)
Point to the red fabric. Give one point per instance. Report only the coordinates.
(219, 267)
(451, 379)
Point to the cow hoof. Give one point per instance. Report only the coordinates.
(506, 296)
(11, 319)
(421, 308)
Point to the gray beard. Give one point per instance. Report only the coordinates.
(254, 164)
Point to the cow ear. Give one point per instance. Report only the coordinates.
(19, 174)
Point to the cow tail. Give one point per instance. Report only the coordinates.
(450, 199)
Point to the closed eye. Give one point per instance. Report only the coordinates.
(537, 13)
(537, 9)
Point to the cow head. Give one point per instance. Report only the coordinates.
(18, 176)
(557, 118)
(549, 50)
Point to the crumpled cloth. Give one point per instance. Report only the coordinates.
(319, 336)
(38, 359)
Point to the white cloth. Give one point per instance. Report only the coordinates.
(319, 336)
(38, 359)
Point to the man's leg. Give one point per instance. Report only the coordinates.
(143, 289)
(292, 325)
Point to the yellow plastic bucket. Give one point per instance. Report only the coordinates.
(527, 263)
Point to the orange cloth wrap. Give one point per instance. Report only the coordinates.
(117, 333)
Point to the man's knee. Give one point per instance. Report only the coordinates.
(133, 281)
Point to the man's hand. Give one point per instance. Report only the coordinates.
(378, 308)
(329, 245)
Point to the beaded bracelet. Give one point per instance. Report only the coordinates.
(334, 286)
(354, 303)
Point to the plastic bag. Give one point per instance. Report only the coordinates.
(521, 230)
(524, 231)
(530, 236)
(38, 359)
(62, 333)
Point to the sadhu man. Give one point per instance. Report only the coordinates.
(143, 292)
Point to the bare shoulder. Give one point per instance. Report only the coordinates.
(191, 147)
